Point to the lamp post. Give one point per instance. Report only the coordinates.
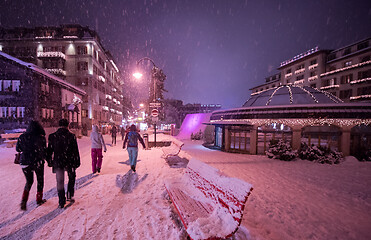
(155, 74)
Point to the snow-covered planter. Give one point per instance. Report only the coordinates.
(319, 154)
(279, 149)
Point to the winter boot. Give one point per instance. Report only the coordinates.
(39, 198)
(70, 197)
(62, 198)
(24, 200)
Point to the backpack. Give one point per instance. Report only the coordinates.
(133, 139)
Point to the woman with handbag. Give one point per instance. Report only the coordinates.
(32, 146)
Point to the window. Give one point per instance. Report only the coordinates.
(345, 94)
(313, 86)
(346, 79)
(365, 59)
(1, 85)
(332, 82)
(81, 50)
(348, 63)
(362, 45)
(331, 56)
(314, 73)
(3, 112)
(12, 112)
(364, 74)
(301, 66)
(20, 112)
(347, 51)
(7, 84)
(82, 66)
(84, 113)
(43, 112)
(314, 61)
(299, 77)
(364, 91)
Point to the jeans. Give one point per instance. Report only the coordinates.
(60, 184)
(96, 157)
(133, 155)
(28, 173)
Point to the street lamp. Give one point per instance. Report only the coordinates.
(158, 77)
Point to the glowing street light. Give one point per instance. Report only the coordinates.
(137, 75)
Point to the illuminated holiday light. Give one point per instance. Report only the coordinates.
(360, 80)
(299, 82)
(331, 96)
(299, 56)
(360, 97)
(51, 54)
(299, 122)
(329, 87)
(313, 66)
(270, 98)
(310, 94)
(56, 71)
(300, 71)
(290, 93)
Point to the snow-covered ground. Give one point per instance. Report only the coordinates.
(290, 200)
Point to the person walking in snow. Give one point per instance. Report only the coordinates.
(63, 155)
(114, 134)
(123, 132)
(132, 138)
(32, 146)
(97, 143)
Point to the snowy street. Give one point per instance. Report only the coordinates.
(290, 200)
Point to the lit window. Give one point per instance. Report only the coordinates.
(3, 112)
(15, 86)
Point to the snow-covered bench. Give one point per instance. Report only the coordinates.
(10, 138)
(173, 149)
(209, 203)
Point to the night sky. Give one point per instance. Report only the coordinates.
(211, 51)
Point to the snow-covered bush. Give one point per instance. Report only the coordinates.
(279, 149)
(319, 154)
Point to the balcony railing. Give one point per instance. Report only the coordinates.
(51, 55)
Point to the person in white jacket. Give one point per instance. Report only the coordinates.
(97, 142)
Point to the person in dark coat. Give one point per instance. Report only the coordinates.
(32, 146)
(132, 138)
(63, 155)
(114, 134)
